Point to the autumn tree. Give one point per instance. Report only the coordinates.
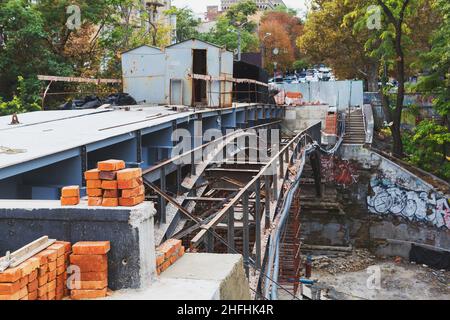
(280, 29)
(279, 39)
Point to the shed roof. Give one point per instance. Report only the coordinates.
(142, 46)
(195, 39)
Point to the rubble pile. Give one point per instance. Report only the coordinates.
(339, 262)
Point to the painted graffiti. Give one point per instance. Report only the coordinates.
(342, 172)
(387, 198)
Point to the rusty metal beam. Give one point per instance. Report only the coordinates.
(299, 138)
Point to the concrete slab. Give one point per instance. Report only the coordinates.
(196, 276)
(203, 266)
(173, 289)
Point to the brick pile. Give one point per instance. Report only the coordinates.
(70, 196)
(167, 254)
(62, 263)
(42, 277)
(331, 124)
(111, 185)
(20, 283)
(91, 258)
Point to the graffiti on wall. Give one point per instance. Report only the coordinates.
(342, 172)
(387, 198)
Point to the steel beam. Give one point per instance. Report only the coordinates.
(230, 233)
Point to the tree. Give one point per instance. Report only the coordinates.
(395, 12)
(35, 39)
(239, 13)
(284, 28)
(328, 37)
(186, 23)
(428, 145)
(279, 39)
(225, 33)
(405, 28)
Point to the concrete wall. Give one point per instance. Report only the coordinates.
(131, 261)
(386, 208)
(301, 118)
(394, 191)
(197, 276)
(340, 94)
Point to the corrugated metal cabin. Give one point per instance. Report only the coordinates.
(165, 77)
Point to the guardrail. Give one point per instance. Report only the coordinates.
(276, 168)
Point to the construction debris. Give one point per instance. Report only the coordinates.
(339, 262)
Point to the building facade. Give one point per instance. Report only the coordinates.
(261, 4)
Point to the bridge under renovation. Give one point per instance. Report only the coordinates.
(269, 201)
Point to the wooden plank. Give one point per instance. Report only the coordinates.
(77, 79)
(26, 252)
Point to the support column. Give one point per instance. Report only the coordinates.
(258, 222)
(162, 200)
(246, 233)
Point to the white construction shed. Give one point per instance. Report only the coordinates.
(190, 73)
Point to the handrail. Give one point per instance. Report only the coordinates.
(187, 153)
(222, 213)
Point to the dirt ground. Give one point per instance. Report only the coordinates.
(347, 278)
(399, 281)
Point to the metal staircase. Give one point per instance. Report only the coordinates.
(355, 128)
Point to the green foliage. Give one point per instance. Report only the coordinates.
(239, 13)
(300, 64)
(226, 29)
(22, 102)
(437, 61)
(186, 23)
(426, 148)
(284, 9)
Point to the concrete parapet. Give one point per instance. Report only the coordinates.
(131, 261)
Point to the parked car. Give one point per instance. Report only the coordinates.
(311, 75)
(302, 77)
(290, 79)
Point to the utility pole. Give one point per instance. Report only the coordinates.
(239, 44)
(263, 49)
(239, 32)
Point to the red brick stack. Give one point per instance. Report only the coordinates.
(16, 283)
(62, 263)
(70, 196)
(331, 124)
(47, 272)
(111, 185)
(168, 253)
(91, 258)
(131, 186)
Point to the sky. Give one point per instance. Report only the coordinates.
(199, 6)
